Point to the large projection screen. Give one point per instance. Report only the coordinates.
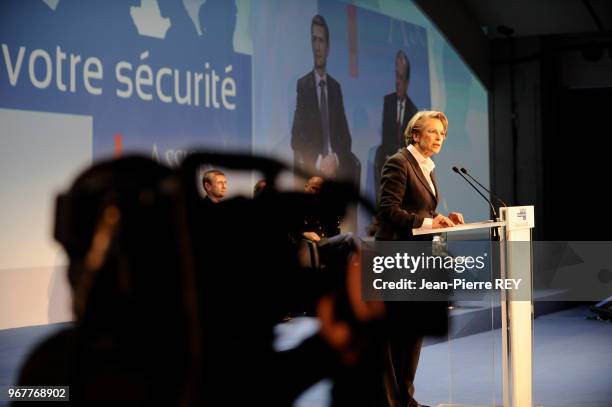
(87, 80)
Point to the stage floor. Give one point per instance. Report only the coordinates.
(572, 365)
(572, 362)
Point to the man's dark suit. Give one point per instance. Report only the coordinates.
(406, 199)
(307, 130)
(390, 140)
(392, 136)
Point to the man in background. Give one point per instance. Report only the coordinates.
(259, 187)
(215, 185)
(322, 226)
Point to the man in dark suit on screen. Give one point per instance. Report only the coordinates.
(320, 136)
(398, 109)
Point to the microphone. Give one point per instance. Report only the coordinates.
(463, 170)
(477, 190)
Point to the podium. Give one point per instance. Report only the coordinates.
(516, 313)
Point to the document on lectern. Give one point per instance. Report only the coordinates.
(465, 226)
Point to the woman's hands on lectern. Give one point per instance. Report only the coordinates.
(456, 217)
(442, 221)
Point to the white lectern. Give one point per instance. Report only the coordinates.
(517, 315)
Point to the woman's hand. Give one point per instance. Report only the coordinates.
(442, 221)
(456, 217)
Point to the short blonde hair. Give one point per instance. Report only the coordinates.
(209, 177)
(415, 124)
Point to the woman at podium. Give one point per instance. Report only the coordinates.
(409, 196)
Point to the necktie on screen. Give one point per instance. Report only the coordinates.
(400, 136)
(324, 119)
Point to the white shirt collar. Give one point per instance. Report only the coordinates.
(320, 78)
(423, 161)
(425, 164)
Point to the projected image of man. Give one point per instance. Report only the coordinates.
(320, 136)
(398, 108)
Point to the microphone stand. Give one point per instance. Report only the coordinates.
(495, 235)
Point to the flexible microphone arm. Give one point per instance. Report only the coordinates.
(477, 190)
(463, 170)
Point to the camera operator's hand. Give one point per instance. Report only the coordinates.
(339, 330)
(312, 236)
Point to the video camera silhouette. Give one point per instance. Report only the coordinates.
(191, 292)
